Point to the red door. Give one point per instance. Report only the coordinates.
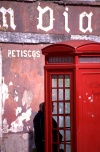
(89, 105)
(60, 112)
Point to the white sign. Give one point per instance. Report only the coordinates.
(24, 53)
(51, 19)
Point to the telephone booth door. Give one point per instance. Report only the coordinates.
(62, 110)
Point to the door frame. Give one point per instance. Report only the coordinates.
(48, 108)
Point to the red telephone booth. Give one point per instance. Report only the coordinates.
(72, 96)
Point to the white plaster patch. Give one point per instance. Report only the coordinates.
(1, 93)
(10, 83)
(27, 98)
(5, 94)
(5, 126)
(18, 110)
(16, 98)
(17, 125)
(16, 92)
(26, 116)
(85, 37)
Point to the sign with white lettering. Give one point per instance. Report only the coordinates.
(24, 53)
(47, 17)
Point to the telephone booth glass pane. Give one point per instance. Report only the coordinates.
(60, 80)
(67, 108)
(54, 108)
(61, 108)
(54, 81)
(67, 120)
(61, 111)
(67, 94)
(55, 118)
(60, 93)
(68, 148)
(61, 121)
(68, 135)
(54, 94)
(86, 59)
(62, 133)
(67, 81)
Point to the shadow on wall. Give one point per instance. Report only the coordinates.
(31, 141)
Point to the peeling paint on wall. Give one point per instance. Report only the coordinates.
(0, 93)
(22, 89)
(18, 110)
(10, 83)
(5, 126)
(17, 125)
(27, 98)
(5, 94)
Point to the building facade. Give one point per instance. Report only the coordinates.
(25, 28)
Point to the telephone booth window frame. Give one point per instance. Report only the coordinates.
(69, 144)
(89, 59)
(61, 59)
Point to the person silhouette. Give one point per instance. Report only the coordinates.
(39, 133)
(38, 124)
